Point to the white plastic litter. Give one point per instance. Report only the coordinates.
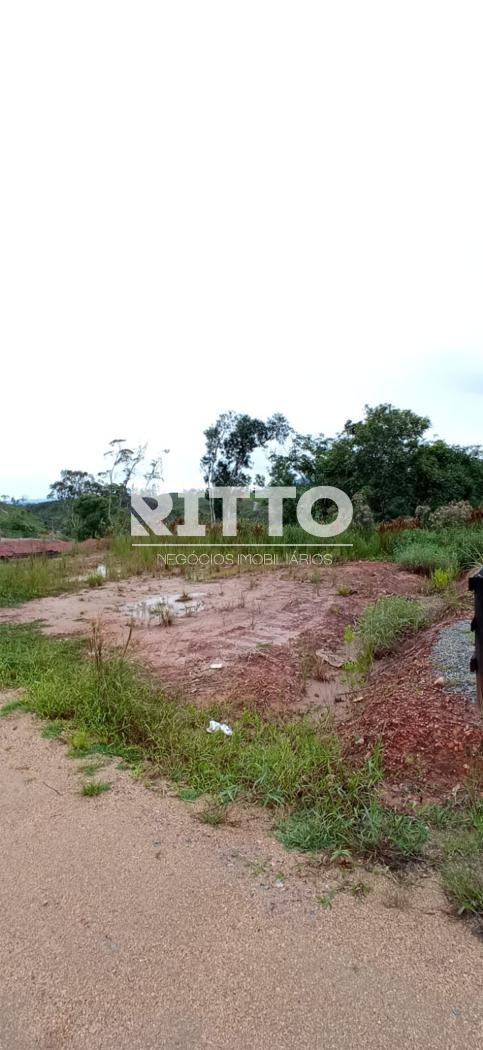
(215, 727)
(215, 666)
(101, 571)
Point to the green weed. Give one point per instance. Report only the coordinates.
(89, 769)
(13, 705)
(52, 730)
(326, 900)
(440, 580)
(95, 580)
(369, 829)
(95, 788)
(463, 885)
(213, 815)
(188, 794)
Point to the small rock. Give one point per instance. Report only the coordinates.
(329, 658)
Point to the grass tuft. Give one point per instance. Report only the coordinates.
(463, 885)
(97, 787)
(453, 550)
(214, 815)
(13, 705)
(52, 730)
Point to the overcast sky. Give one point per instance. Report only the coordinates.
(257, 205)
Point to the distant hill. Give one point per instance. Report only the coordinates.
(51, 517)
(18, 521)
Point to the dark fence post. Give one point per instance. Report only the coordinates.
(475, 584)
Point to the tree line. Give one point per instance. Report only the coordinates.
(385, 460)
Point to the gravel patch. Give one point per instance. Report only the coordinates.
(451, 656)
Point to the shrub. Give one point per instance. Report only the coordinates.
(363, 517)
(423, 514)
(440, 579)
(455, 513)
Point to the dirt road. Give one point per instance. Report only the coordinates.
(125, 924)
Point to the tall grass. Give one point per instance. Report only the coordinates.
(452, 549)
(385, 622)
(272, 762)
(350, 545)
(110, 705)
(36, 577)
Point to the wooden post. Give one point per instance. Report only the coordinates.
(475, 584)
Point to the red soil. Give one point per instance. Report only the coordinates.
(26, 548)
(265, 630)
(424, 731)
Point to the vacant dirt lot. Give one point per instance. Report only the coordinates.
(262, 630)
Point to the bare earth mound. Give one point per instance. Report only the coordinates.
(427, 732)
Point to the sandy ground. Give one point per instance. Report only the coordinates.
(254, 626)
(125, 924)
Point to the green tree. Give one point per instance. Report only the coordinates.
(375, 456)
(380, 456)
(230, 443)
(444, 473)
(92, 516)
(385, 457)
(94, 506)
(71, 485)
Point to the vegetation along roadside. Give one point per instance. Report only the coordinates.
(295, 768)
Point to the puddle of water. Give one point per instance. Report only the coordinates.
(155, 606)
